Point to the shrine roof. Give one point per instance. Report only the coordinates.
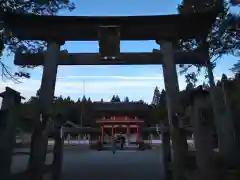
(120, 107)
(86, 28)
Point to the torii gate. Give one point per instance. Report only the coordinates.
(110, 30)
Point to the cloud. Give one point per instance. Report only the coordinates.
(97, 87)
(70, 85)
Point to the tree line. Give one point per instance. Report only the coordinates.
(227, 93)
(80, 112)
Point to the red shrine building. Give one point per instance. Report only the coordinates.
(120, 124)
(121, 118)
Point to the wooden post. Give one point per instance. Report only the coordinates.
(9, 110)
(172, 91)
(203, 137)
(166, 149)
(39, 141)
(58, 154)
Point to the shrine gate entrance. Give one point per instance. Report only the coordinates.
(166, 30)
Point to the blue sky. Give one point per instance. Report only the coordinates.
(136, 82)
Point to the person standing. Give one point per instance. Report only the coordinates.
(114, 145)
(122, 142)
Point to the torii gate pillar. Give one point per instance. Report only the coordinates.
(39, 139)
(172, 91)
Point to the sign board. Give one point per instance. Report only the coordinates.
(109, 41)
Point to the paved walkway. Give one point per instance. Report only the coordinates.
(124, 165)
(94, 165)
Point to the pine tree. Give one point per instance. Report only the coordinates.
(89, 100)
(126, 100)
(224, 77)
(84, 99)
(156, 97)
(118, 98)
(113, 99)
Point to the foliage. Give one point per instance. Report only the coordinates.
(223, 39)
(13, 44)
(226, 90)
(126, 100)
(115, 99)
(236, 67)
(159, 105)
(80, 112)
(156, 96)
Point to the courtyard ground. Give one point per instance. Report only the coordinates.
(93, 165)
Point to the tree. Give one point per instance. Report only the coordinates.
(38, 93)
(115, 99)
(223, 39)
(236, 67)
(89, 100)
(68, 99)
(78, 101)
(159, 108)
(126, 100)
(191, 78)
(84, 99)
(156, 96)
(189, 86)
(224, 77)
(13, 44)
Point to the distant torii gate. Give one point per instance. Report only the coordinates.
(167, 28)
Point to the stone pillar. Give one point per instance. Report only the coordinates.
(49, 77)
(172, 91)
(223, 121)
(10, 98)
(40, 135)
(68, 138)
(231, 140)
(9, 115)
(128, 134)
(203, 136)
(102, 128)
(112, 131)
(128, 130)
(166, 150)
(89, 138)
(58, 154)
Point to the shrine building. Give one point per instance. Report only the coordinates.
(121, 118)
